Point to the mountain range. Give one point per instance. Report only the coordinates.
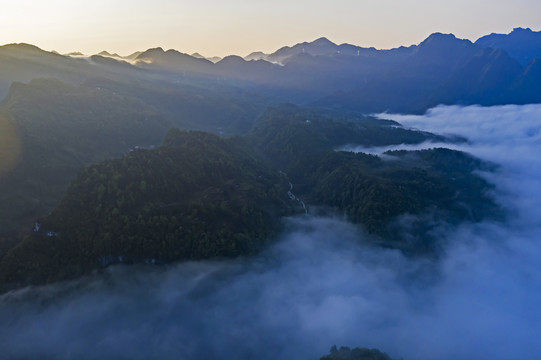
(496, 69)
(524, 45)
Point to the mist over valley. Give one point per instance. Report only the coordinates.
(166, 205)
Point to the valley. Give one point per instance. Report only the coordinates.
(273, 206)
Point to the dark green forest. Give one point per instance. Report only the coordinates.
(195, 197)
(59, 128)
(201, 196)
(346, 353)
(371, 190)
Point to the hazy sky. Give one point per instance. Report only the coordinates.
(214, 27)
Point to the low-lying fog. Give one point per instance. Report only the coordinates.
(319, 285)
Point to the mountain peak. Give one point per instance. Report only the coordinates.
(439, 41)
(155, 50)
(151, 53)
(322, 41)
(437, 36)
(108, 54)
(22, 47)
(522, 30)
(232, 59)
(256, 55)
(320, 46)
(523, 44)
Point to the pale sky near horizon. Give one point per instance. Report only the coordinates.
(213, 27)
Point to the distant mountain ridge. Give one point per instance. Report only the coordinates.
(522, 44)
(173, 60)
(257, 55)
(442, 69)
(108, 54)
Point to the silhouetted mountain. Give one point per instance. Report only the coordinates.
(321, 46)
(133, 56)
(442, 69)
(405, 79)
(173, 60)
(22, 63)
(258, 55)
(214, 59)
(113, 62)
(522, 44)
(257, 71)
(108, 54)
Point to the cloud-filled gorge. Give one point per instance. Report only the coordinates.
(321, 284)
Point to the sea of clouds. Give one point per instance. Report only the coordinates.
(323, 283)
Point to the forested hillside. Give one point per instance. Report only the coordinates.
(368, 189)
(195, 197)
(55, 128)
(199, 196)
(60, 128)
